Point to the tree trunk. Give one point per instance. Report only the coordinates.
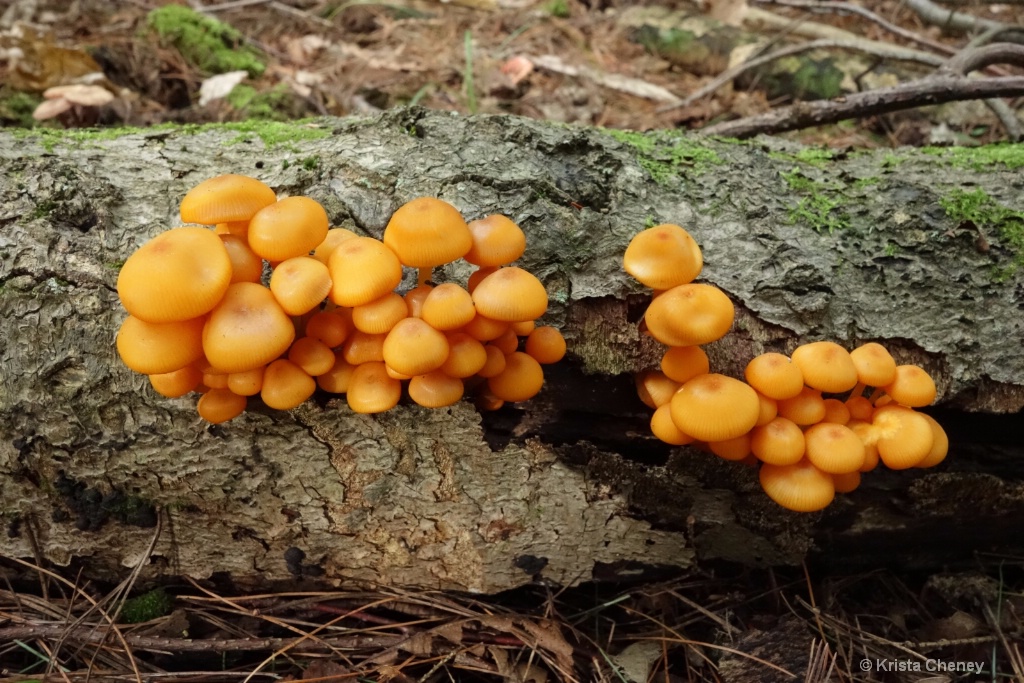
(569, 486)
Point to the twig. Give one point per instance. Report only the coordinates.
(949, 83)
(950, 20)
(849, 8)
(824, 44)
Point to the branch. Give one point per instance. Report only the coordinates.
(950, 20)
(949, 83)
(931, 90)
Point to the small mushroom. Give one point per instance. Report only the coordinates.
(826, 366)
(413, 347)
(663, 257)
(775, 376)
(510, 295)
(714, 407)
(427, 232)
(466, 356)
(521, 379)
(286, 385)
(300, 284)
(362, 270)
(380, 315)
(247, 329)
(689, 315)
(448, 307)
(225, 198)
(779, 442)
(76, 105)
(220, 405)
(370, 390)
(683, 363)
(801, 487)
(497, 240)
(834, 448)
(435, 389)
(546, 344)
(291, 227)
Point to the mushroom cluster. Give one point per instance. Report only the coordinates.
(202, 319)
(805, 418)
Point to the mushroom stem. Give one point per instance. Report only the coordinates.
(876, 395)
(424, 276)
(857, 390)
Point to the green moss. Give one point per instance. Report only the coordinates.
(557, 8)
(819, 207)
(275, 104)
(16, 108)
(989, 216)
(815, 156)
(1009, 155)
(207, 44)
(665, 155)
(146, 607)
(274, 133)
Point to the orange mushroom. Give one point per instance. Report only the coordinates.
(826, 366)
(521, 379)
(380, 315)
(496, 241)
(220, 405)
(370, 390)
(683, 363)
(178, 275)
(801, 487)
(435, 389)
(177, 382)
(427, 232)
(291, 227)
(225, 199)
(362, 270)
(466, 356)
(158, 348)
(286, 385)
(912, 387)
(779, 442)
(689, 315)
(413, 347)
(312, 355)
(448, 307)
(510, 295)
(247, 329)
(834, 448)
(546, 344)
(300, 284)
(775, 376)
(663, 257)
(665, 429)
(714, 407)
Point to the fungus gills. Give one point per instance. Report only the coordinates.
(810, 446)
(203, 319)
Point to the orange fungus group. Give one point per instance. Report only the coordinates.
(806, 418)
(203, 317)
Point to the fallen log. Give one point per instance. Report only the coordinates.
(917, 249)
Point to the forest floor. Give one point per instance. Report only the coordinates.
(563, 60)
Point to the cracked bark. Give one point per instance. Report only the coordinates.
(569, 486)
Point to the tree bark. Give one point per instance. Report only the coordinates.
(569, 486)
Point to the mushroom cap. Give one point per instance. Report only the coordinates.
(655, 388)
(826, 366)
(875, 365)
(485, 329)
(448, 307)
(80, 94)
(496, 241)
(363, 347)
(336, 379)
(836, 411)
(158, 348)
(801, 487)
(507, 342)
(178, 275)
(806, 408)
(683, 363)
(413, 347)
(774, 375)
(769, 409)
(834, 448)
(735, 449)
(177, 382)
(370, 390)
(225, 199)
(905, 437)
(300, 284)
(220, 405)
(494, 364)
(859, 408)
(362, 270)
(466, 356)
(477, 276)
(427, 232)
(714, 407)
(246, 266)
(435, 389)
(689, 315)
(521, 379)
(780, 442)
(247, 329)
(286, 385)
(846, 482)
(940, 444)
(665, 429)
(380, 315)
(663, 257)
(247, 382)
(546, 344)
(330, 327)
(524, 327)
(415, 297)
(510, 295)
(912, 387)
(291, 227)
(335, 236)
(312, 355)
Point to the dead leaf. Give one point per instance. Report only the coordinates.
(729, 12)
(219, 86)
